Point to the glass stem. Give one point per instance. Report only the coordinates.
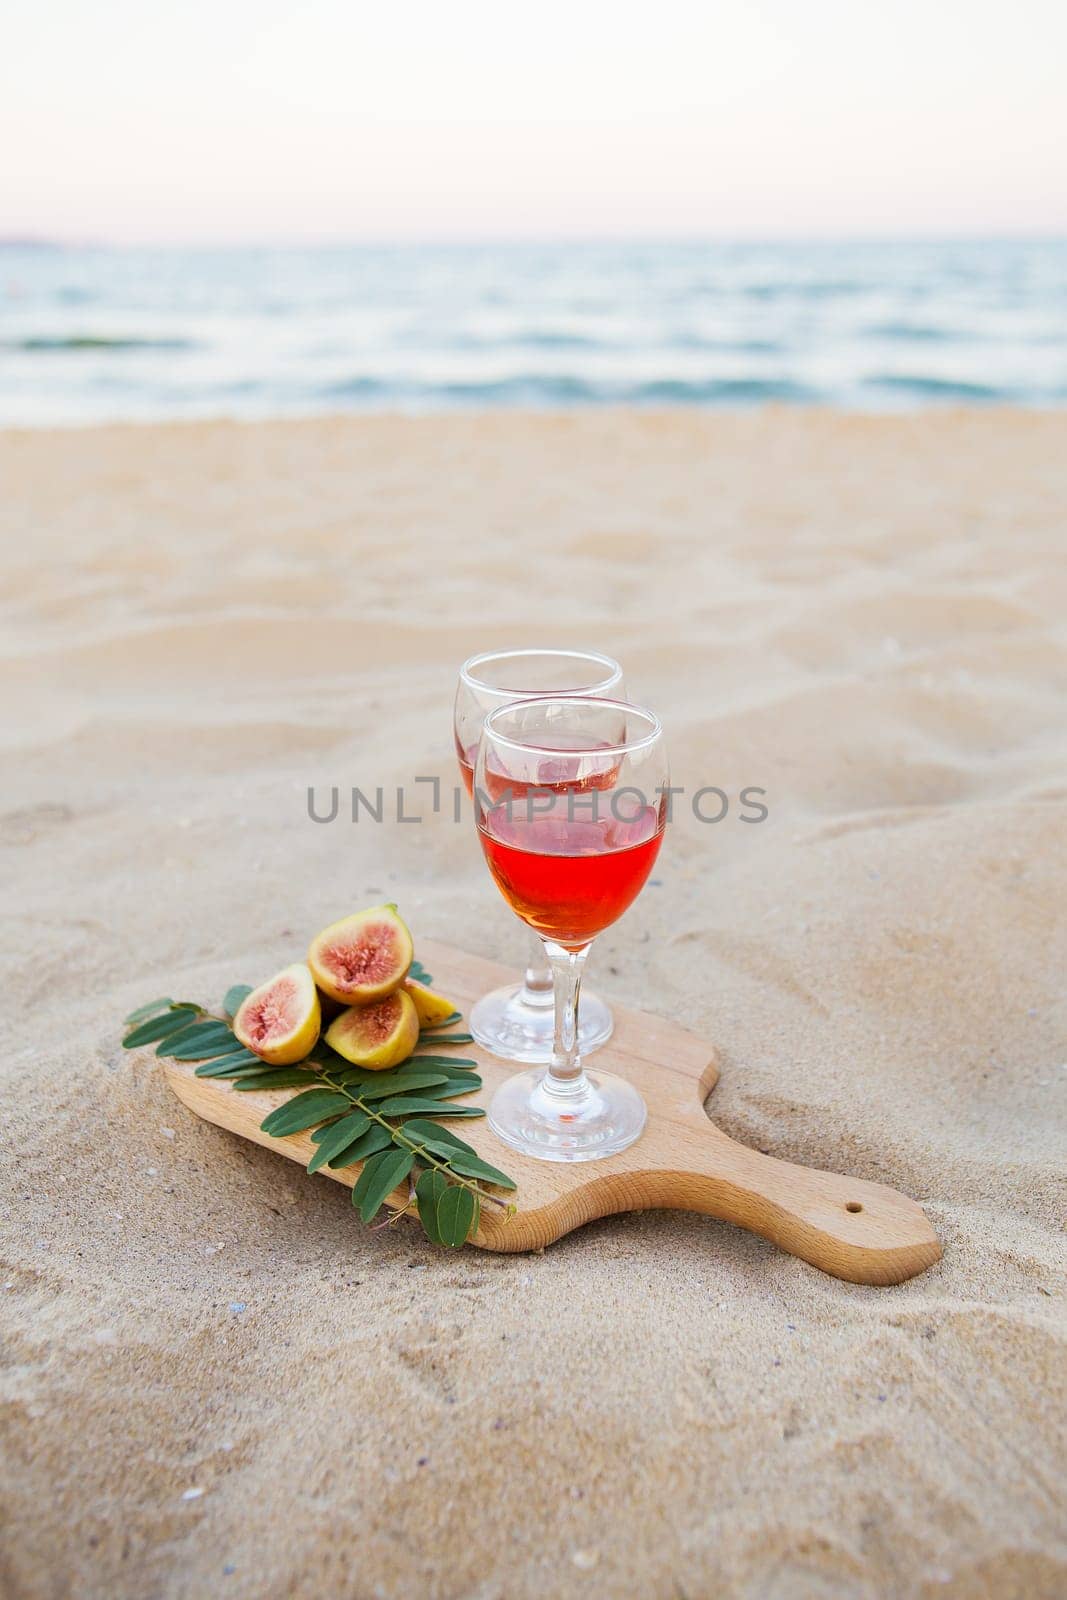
(566, 1075)
(537, 986)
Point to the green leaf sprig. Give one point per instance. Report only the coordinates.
(391, 1121)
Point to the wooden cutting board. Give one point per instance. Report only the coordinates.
(849, 1227)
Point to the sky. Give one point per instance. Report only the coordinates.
(321, 120)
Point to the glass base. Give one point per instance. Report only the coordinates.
(507, 1025)
(602, 1116)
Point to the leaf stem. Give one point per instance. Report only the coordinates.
(398, 1136)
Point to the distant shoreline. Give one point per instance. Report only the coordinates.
(651, 241)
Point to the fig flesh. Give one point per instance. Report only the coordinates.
(431, 1007)
(280, 1020)
(362, 958)
(376, 1036)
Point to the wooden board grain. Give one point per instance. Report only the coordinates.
(848, 1227)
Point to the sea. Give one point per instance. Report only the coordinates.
(95, 333)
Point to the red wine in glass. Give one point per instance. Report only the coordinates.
(569, 877)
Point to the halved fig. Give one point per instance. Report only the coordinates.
(376, 1036)
(431, 1006)
(281, 1019)
(362, 958)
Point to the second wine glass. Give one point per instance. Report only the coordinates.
(516, 1022)
(570, 799)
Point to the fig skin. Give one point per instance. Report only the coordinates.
(295, 1033)
(353, 1033)
(430, 1006)
(363, 928)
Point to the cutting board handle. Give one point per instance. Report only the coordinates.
(849, 1227)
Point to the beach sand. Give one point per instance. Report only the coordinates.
(216, 1381)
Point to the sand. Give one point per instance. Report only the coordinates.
(216, 1381)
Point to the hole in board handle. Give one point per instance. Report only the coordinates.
(853, 1205)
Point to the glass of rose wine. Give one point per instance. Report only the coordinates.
(516, 1022)
(570, 798)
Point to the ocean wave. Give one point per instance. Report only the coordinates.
(801, 289)
(728, 346)
(565, 389)
(357, 389)
(719, 391)
(51, 344)
(520, 389)
(547, 339)
(924, 387)
(516, 339)
(918, 333)
(535, 389)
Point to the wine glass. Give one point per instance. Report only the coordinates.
(516, 1021)
(570, 798)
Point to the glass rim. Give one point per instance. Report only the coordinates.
(613, 674)
(620, 747)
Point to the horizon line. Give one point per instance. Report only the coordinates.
(58, 241)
